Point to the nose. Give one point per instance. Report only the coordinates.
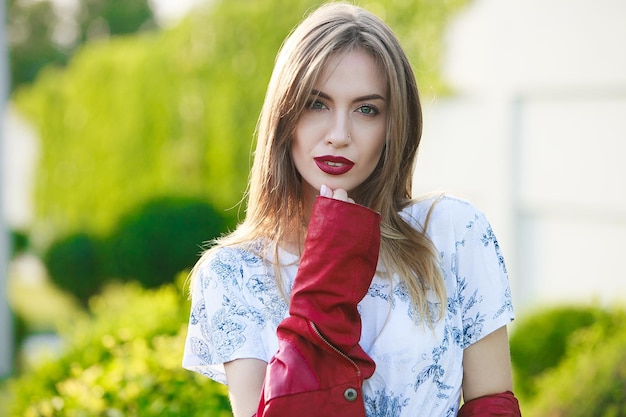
(339, 132)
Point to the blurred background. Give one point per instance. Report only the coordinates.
(127, 127)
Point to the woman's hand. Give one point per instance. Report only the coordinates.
(338, 194)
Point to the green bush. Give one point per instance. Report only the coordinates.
(539, 341)
(122, 360)
(161, 239)
(74, 264)
(19, 242)
(150, 245)
(591, 378)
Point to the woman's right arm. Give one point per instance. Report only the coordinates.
(245, 380)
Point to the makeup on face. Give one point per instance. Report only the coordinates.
(340, 135)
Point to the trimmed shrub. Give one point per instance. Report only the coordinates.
(162, 238)
(150, 245)
(74, 265)
(539, 341)
(122, 360)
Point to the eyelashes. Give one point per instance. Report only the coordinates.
(368, 110)
(316, 105)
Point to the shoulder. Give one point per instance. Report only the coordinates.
(228, 263)
(443, 214)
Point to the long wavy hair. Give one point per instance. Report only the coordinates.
(274, 204)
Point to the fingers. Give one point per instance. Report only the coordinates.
(338, 194)
(326, 192)
(341, 194)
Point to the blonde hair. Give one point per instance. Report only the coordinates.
(274, 207)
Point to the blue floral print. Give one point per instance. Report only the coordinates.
(384, 405)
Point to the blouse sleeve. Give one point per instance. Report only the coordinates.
(483, 294)
(233, 299)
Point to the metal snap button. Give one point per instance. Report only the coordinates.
(350, 394)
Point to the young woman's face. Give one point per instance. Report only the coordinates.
(341, 133)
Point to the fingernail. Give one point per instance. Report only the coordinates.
(323, 190)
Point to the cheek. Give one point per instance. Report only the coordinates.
(298, 143)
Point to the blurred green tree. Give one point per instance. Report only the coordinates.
(173, 112)
(97, 18)
(30, 32)
(40, 33)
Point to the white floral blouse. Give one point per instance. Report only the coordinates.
(236, 308)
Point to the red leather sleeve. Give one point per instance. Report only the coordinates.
(503, 404)
(319, 367)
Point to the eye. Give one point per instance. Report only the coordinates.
(316, 105)
(368, 110)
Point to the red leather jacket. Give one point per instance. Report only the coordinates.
(320, 367)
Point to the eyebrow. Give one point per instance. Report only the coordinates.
(323, 95)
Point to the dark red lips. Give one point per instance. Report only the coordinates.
(334, 165)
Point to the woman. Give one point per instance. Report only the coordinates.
(339, 294)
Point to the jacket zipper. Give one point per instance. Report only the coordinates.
(317, 332)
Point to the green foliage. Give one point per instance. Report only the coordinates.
(114, 17)
(123, 360)
(150, 245)
(591, 378)
(161, 239)
(74, 264)
(539, 341)
(19, 242)
(20, 329)
(33, 30)
(30, 30)
(173, 112)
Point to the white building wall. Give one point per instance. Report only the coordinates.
(536, 137)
